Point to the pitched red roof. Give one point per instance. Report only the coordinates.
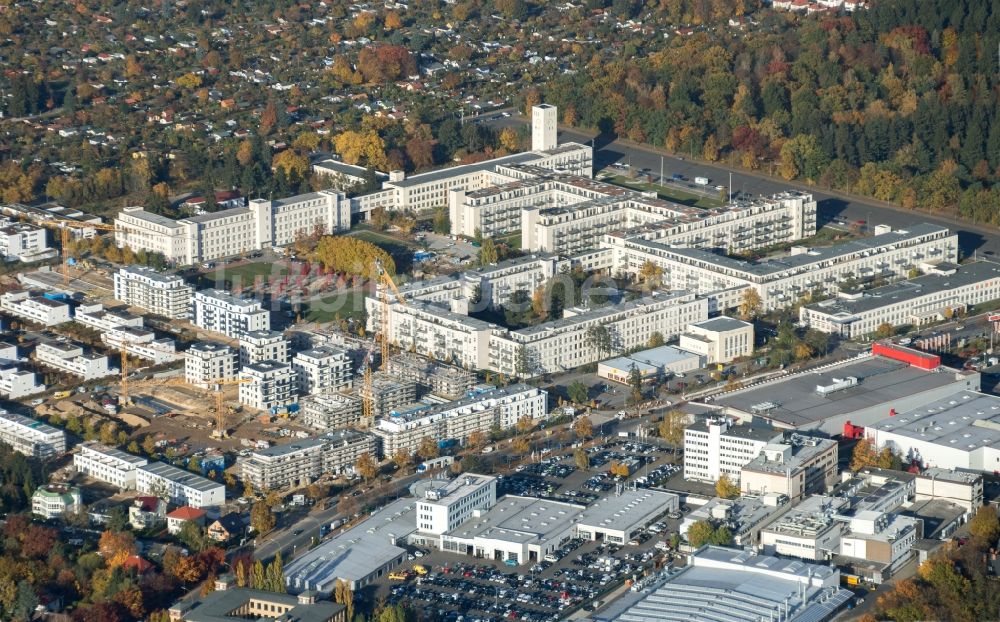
(134, 562)
(187, 513)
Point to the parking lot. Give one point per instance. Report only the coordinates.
(462, 588)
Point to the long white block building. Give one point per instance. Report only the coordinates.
(935, 296)
(108, 464)
(97, 317)
(404, 429)
(160, 294)
(236, 231)
(36, 309)
(218, 310)
(179, 486)
(143, 343)
(72, 359)
(30, 436)
(303, 461)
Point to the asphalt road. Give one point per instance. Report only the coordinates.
(833, 206)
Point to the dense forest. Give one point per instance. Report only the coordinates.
(899, 102)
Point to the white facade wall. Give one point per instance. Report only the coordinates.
(108, 465)
(710, 453)
(272, 385)
(15, 383)
(544, 119)
(179, 486)
(23, 242)
(31, 437)
(322, 369)
(438, 514)
(227, 314)
(160, 294)
(142, 343)
(206, 361)
(260, 346)
(35, 309)
(99, 319)
(71, 359)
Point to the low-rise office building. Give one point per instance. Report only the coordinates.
(218, 310)
(54, 501)
(160, 294)
(30, 436)
(620, 517)
(142, 343)
(719, 340)
(445, 507)
(179, 486)
(205, 361)
(97, 317)
(107, 464)
(481, 411)
(303, 461)
(228, 603)
(944, 291)
(36, 309)
(24, 242)
(330, 410)
(810, 530)
(793, 465)
(271, 386)
(744, 517)
(652, 364)
(717, 446)
(323, 368)
(962, 488)
(72, 360)
(257, 346)
(16, 383)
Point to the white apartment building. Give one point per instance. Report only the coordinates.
(16, 383)
(160, 294)
(107, 464)
(236, 231)
(554, 346)
(271, 386)
(330, 411)
(258, 346)
(782, 281)
(445, 508)
(218, 310)
(143, 343)
(53, 501)
(179, 486)
(72, 359)
(31, 437)
(945, 290)
(484, 409)
(715, 446)
(36, 309)
(323, 368)
(303, 461)
(23, 242)
(97, 317)
(205, 361)
(719, 340)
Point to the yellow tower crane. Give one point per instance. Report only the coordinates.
(220, 430)
(64, 227)
(387, 284)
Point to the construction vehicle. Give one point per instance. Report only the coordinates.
(399, 575)
(59, 395)
(420, 570)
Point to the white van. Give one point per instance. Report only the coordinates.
(701, 181)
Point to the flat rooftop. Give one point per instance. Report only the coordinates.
(951, 475)
(151, 274)
(652, 359)
(813, 516)
(902, 291)
(113, 453)
(794, 402)
(803, 450)
(457, 488)
(629, 510)
(965, 421)
(722, 324)
(219, 605)
(520, 520)
(180, 476)
(728, 585)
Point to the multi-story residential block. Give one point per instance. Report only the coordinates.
(179, 486)
(16, 383)
(946, 289)
(24, 242)
(388, 393)
(432, 376)
(320, 369)
(258, 346)
(218, 310)
(160, 294)
(793, 465)
(72, 359)
(303, 461)
(31, 437)
(482, 410)
(143, 343)
(719, 340)
(205, 361)
(36, 309)
(107, 464)
(97, 317)
(445, 508)
(54, 501)
(236, 231)
(330, 410)
(271, 386)
(780, 281)
(717, 446)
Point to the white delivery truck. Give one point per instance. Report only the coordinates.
(701, 181)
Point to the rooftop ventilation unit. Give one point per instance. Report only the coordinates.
(837, 385)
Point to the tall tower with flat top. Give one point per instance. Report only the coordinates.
(543, 127)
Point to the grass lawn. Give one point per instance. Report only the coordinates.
(401, 251)
(327, 308)
(245, 273)
(666, 192)
(512, 239)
